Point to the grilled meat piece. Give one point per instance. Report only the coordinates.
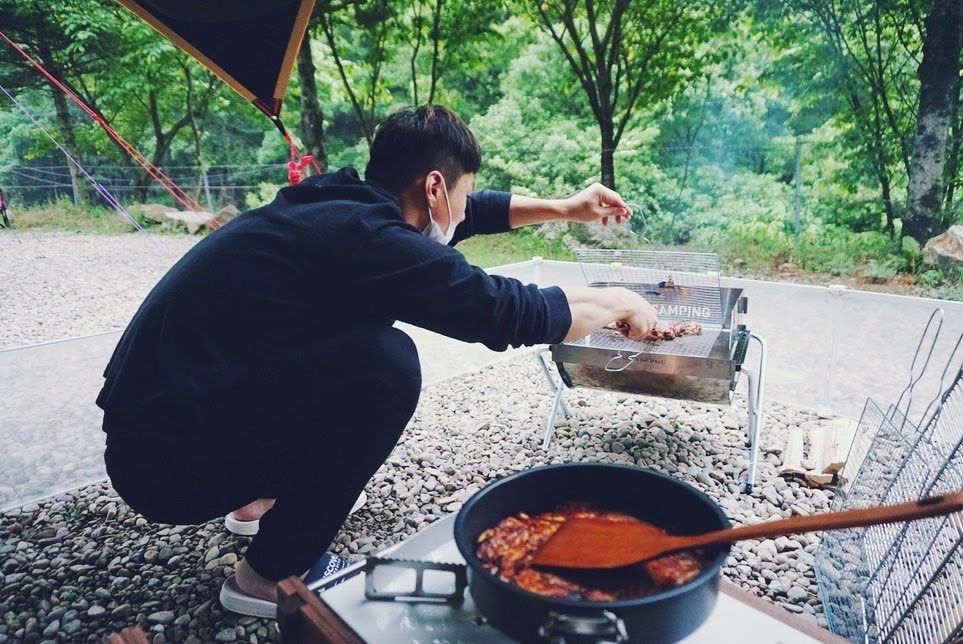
(663, 330)
(671, 331)
(673, 570)
(670, 285)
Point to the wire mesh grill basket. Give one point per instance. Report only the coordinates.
(681, 286)
(899, 582)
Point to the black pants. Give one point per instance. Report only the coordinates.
(309, 430)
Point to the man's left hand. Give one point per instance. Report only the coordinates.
(596, 203)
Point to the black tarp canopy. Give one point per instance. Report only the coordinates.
(250, 44)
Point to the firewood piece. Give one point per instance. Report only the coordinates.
(793, 454)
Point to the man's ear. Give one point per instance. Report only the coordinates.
(432, 186)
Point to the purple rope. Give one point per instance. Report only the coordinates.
(98, 188)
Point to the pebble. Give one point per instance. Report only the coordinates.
(161, 617)
(767, 549)
(134, 572)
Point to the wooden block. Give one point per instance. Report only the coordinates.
(793, 454)
(303, 618)
(842, 433)
(820, 480)
(817, 442)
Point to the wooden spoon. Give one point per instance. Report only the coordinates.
(584, 542)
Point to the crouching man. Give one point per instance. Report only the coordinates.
(262, 375)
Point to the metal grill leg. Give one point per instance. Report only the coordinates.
(756, 382)
(555, 385)
(558, 401)
(753, 422)
(550, 423)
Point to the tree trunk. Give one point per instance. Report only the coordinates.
(608, 152)
(435, 39)
(312, 120)
(141, 184)
(939, 78)
(890, 227)
(882, 173)
(66, 127)
(952, 164)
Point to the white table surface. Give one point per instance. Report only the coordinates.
(732, 620)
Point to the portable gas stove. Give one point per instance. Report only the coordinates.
(403, 596)
(702, 368)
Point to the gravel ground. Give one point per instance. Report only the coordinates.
(81, 565)
(56, 285)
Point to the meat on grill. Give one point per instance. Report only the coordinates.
(671, 331)
(663, 330)
(670, 285)
(507, 550)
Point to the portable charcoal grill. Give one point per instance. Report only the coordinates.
(702, 368)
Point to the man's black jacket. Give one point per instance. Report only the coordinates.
(327, 256)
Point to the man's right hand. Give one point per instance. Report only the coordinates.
(594, 308)
(642, 319)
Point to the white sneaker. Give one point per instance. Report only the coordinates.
(235, 600)
(250, 528)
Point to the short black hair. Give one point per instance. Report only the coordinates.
(414, 141)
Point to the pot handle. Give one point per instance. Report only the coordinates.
(606, 626)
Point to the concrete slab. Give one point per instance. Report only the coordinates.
(825, 350)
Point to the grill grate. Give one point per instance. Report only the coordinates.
(899, 582)
(681, 286)
(695, 346)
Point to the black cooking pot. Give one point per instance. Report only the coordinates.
(667, 616)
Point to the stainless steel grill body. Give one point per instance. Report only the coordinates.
(704, 368)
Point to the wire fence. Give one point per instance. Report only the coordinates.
(214, 186)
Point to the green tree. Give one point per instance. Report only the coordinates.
(360, 54)
(628, 55)
(71, 40)
(868, 49)
(312, 118)
(438, 33)
(153, 94)
(939, 74)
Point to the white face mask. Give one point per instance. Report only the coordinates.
(433, 230)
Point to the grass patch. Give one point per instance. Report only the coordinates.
(515, 246)
(66, 216)
(63, 214)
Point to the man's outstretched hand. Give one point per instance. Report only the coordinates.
(596, 203)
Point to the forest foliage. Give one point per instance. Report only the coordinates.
(777, 132)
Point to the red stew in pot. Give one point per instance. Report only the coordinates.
(507, 550)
